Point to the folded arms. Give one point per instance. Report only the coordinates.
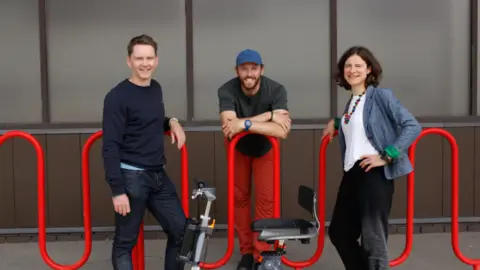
(276, 122)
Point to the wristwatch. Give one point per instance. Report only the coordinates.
(247, 124)
(172, 119)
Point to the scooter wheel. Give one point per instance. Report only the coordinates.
(268, 265)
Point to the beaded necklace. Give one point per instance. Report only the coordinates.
(349, 115)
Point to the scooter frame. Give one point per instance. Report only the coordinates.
(198, 232)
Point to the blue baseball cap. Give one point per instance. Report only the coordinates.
(249, 56)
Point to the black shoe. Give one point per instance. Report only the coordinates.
(246, 263)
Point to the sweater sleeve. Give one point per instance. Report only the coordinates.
(166, 124)
(113, 124)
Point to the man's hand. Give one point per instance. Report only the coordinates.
(283, 119)
(177, 133)
(329, 130)
(233, 127)
(371, 161)
(121, 204)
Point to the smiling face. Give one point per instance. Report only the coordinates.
(355, 71)
(143, 61)
(249, 75)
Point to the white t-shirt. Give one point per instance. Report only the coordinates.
(357, 143)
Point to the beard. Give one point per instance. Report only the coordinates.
(249, 86)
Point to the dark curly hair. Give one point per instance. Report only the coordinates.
(373, 78)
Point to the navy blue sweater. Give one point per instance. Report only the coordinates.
(133, 125)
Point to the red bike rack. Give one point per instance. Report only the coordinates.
(322, 176)
(410, 197)
(230, 196)
(42, 231)
(138, 252)
(475, 263)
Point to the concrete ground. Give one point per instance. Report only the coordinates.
(430, 252)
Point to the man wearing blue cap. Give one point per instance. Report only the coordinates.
(255, 103)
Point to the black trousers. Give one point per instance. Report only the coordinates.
(361, 211)
(153, 191)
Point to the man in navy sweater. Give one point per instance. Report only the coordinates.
(133, 151)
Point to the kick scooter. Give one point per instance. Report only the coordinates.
(197, 232)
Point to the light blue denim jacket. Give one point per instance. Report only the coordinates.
(387, 122)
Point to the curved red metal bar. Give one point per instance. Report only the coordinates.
(410, 213)
(42, 230)
(138, 252)
(410, 196)
(322, 176)
(410, 205)
(475, 263)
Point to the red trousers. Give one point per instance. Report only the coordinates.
(261, 170)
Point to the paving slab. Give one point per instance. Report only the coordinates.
(430, 252)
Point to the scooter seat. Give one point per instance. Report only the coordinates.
(274, 223)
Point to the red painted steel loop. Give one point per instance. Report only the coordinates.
(42, 231)
(322, 176)
(410, 204)
(135, 258)
(230, 196)
(138, 252)
(475, 263)
(410, 193)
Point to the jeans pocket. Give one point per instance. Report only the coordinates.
(134, 183)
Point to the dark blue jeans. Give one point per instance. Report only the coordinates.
(153, 191)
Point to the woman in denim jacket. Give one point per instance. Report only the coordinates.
(375, 133)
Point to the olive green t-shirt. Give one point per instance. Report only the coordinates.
(271, 96)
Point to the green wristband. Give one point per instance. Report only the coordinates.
(392, 151)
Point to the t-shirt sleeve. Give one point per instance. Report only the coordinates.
(280, 99)
(226, 100)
